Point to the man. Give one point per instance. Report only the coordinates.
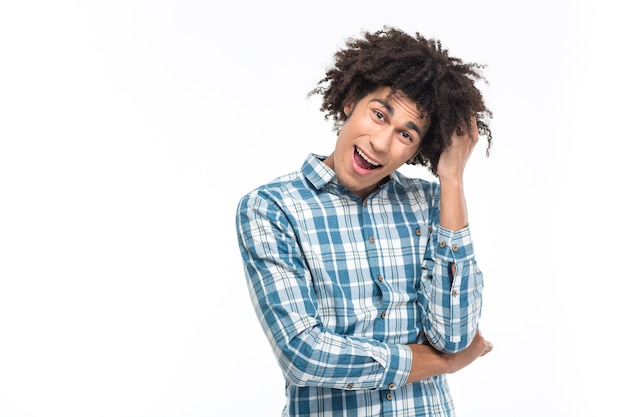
(365, 280)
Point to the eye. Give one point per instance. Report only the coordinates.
(406, 136)
(378, 115)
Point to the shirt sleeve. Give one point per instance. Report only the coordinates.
(282, 293)
(450, 304)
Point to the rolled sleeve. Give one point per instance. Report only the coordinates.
(399, 367)
(454, 246)
(451, 304)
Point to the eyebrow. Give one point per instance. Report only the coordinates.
(409, 124)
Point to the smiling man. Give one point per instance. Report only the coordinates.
(364, 280)
(382, 133)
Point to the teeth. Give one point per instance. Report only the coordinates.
(366, 158)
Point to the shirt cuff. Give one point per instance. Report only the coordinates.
(399, 367)
(455, 246)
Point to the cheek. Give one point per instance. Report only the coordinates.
(404, 154)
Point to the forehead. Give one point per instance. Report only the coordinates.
(399, 105)
(397, 100)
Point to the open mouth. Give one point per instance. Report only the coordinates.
(364, 161)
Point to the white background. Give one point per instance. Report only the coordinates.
(130, 129)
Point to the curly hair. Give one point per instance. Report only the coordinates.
(421, 70)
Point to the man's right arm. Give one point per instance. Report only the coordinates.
(286, 305)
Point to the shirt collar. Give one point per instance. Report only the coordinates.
(319, 174)
(316, 171)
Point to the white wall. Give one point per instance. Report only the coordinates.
(130, 129)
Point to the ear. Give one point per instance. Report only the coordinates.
(347, 109)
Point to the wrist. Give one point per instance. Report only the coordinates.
(427, 362)
(451, 181)
(453, 209)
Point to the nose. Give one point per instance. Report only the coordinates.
(381, 140)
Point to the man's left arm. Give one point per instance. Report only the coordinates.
(451, 293)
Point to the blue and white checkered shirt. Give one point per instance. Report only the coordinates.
(342, 285)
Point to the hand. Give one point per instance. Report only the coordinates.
(452, 160)
(479, 347)
(453, 214)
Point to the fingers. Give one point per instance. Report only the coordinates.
(473, 135)
(486, 345)
(488, 348)
(454, 158)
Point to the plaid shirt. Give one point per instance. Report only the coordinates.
(342, 285)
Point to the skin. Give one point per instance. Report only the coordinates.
(387, 131)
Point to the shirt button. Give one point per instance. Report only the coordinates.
(418, 232)
(389, 397)
(350, 385)
(392, 386)
(384, 314)
(380, 279)
(455, 248)
(455, 293)
(442, 244)
(430, 229)
(372, 240)
(365, 203)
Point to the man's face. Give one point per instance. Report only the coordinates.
(381, 133)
